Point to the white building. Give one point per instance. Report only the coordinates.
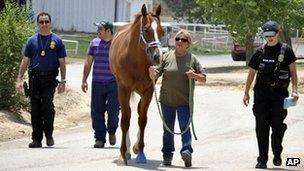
(79, 15)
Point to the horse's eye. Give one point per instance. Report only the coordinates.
(147, 28)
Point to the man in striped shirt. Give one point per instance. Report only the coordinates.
(104, 96)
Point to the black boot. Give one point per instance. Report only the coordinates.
(35, 144)
(261, 165)
(277, 161)
(50, 141)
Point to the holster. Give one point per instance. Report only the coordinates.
(26, 89)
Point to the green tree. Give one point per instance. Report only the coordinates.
(186, 10)
(243, 18)
(14, 31)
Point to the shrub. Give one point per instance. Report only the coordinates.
(14, 32)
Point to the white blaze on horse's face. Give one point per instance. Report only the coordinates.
(154, 26)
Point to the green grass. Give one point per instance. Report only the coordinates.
(83, 42)
(300, 66)
(227, 69)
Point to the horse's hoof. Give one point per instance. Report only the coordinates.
(121, 161)
(126, 162)
(141, 158)
(128, 156)
(135, 150)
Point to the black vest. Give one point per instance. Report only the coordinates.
(270, 71)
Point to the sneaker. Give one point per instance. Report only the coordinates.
(98, 144)
(186, 156)
(167, 162)
(35, 144)
(277, 161)
(50, 141)
(112, 139)
(261, 165)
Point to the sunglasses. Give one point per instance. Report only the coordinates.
(181, 39)
(45, 22)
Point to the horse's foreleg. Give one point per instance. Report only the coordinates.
(142, 122)
(124, 97)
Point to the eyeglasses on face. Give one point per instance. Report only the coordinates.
(44, 22)
(181, 39)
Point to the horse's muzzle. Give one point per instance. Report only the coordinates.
(157, 56)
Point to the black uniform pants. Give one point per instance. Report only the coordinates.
(42, 89)
(269, 112)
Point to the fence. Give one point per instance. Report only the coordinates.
(70, 48)
(210, 37)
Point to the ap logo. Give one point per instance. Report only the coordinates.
(292, 161)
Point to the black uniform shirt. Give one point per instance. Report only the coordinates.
(265, 63)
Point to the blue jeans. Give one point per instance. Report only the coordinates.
(183, 115)
(104, 98)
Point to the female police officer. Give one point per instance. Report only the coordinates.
(274, 64)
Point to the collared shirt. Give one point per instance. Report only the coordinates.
(99, 49)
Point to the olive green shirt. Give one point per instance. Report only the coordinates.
(175, 83)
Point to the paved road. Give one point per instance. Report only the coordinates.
(219, 60)
(225, 130)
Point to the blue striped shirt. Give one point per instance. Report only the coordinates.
(99, 49)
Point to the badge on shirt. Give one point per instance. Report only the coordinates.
(52, 44)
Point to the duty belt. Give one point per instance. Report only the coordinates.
(44, 73)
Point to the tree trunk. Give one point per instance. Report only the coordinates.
(284, 37)
(249, 49)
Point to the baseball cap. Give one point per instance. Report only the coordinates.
(270, 28)
(104, 24)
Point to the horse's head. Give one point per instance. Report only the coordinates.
(151, 32)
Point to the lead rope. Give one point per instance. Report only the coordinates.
(190, 110)
(191, 105)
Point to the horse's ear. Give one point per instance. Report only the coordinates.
(144, 10)
(158, 10)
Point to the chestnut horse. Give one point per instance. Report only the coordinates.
(135, 47)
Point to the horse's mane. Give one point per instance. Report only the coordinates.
(139, 15)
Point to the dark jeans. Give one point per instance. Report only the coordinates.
(42, 91)
(269, 112)
(183, 115)
(104, 98)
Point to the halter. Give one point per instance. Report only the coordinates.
(148, 44)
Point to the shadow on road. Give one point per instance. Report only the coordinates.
(154, 165)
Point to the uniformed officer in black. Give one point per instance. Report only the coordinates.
(43, 54)
(273, 76)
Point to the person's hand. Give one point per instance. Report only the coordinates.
(61, 88)
(153, 73)
(295, 96)
(190, 74)
(84, 87)
(246, 99)
(19, 86)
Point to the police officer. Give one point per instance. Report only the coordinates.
(274, 64)
(44, 52)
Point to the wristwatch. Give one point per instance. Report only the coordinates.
(63, 81)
